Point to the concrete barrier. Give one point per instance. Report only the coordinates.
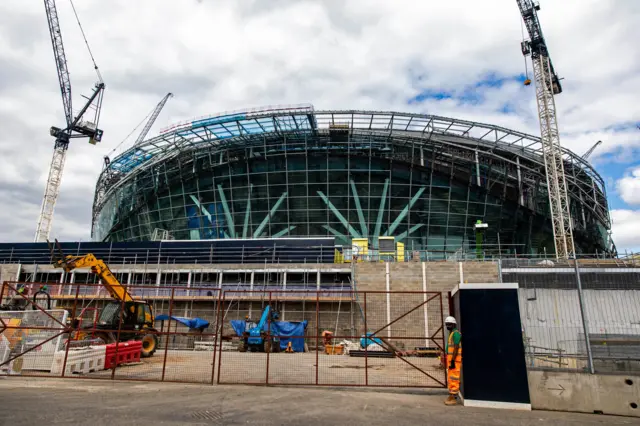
(80, 361)
(41, 357)
(587, 393)
(4, 349)
(122, 353)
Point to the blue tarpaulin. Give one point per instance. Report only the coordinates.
(283, 329)
(198, 323)
(370, 338)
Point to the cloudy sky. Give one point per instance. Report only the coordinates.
(459, 58)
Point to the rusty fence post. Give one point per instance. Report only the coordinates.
(444, 354)
(218, 332)
(166, 343)
(268, 338)
(366, 353)
(221, 325)
(3, 325)
(2, 291)
(121, 318)
(73, 317)
(317, 334)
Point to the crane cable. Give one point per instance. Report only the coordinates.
(526, 68)
(130, 133)
(95, 66)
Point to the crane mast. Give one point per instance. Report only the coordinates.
(74, 127)
(60, 57)
(547, 85)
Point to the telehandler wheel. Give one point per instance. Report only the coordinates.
(104, 337)
(149, 345)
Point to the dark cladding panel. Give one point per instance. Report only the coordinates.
(276, 250)
(493, 360)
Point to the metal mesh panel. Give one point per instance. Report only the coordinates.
(552, 320)
(311, 338)
(406, 328)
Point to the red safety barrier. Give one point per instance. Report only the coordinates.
(127, 352)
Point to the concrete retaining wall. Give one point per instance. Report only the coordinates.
(586, 393)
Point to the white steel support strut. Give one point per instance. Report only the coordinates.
(552, 153)
(51, 192)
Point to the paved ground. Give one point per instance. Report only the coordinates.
(54, 401)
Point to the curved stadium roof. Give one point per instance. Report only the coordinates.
(217, 131)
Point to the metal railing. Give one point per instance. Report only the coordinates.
(184, 252)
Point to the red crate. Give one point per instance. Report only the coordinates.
(127, 352)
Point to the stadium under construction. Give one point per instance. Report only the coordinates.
(343, 224)
(288, 246)
(294, 172)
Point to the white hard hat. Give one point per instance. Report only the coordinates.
(450, 320)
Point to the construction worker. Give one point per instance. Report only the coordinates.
(453, 350)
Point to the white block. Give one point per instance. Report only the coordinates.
(41, 357)
(4, 349)
(80, 360)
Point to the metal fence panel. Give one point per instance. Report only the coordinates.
(553, 330)
(68, 339)
(407, 339)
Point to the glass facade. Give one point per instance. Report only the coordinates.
(339, 182)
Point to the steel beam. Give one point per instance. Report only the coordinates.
(341, 218)
(404, 212)
(338, 234)
(201, 207)
(411, 230)
(383, 200)
(283, 232)
(363, 224)
(227, 212)
(247, 214)
(268, 217)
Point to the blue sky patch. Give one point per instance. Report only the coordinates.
(472, 94)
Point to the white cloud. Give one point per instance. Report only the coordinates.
(219, 56)
(626, 230)
(629, 187)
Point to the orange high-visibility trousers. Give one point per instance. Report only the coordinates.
(453, 376)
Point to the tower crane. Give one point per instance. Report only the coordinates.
(145, 130)
(75, 126)
(152, 118)
(547, 85)
(587, 154)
